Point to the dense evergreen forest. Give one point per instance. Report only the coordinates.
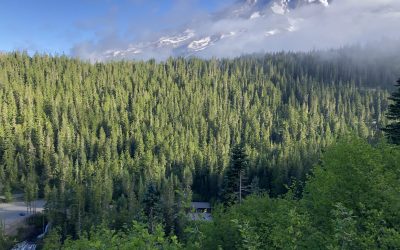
(110, 143)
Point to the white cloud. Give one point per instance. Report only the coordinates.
(343, 22)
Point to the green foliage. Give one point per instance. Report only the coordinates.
(5, 242)
(258, 223)
(363, 180)
(90, 138)
(250, 240)
(344, 225)
(350, 201)
(393, 129)
(7, 192)
(135, 237)
(152, 206)
(233, 186)
(70, 121)
(52, 241)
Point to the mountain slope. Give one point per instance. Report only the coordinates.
(232, 25)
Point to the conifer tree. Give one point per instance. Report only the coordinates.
(78, 133)
(233, 185)
(393, 129)
(151, 202)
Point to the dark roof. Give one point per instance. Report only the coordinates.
(204, 205)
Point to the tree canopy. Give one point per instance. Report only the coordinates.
(393, 129)
(350, 201)
(116, 142)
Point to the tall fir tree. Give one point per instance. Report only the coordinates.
(151, 201)
(393, 129)
(234, 179)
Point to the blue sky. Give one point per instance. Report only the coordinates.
(55, 26)
(94, 29)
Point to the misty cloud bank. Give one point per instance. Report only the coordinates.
(343, 22)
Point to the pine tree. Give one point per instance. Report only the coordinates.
(393, 129)
(234, 179)
(151, 202)
(142, 121)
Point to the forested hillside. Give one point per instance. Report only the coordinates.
(113, 142)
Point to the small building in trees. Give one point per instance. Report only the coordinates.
(201, 211)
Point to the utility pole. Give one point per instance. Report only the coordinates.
(240, 187)
(79, 219)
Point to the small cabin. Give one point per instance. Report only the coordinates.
(200, 211)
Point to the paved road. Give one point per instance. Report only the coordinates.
(10, 213)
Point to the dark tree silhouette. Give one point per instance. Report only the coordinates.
(233, 186)
(393, 129)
